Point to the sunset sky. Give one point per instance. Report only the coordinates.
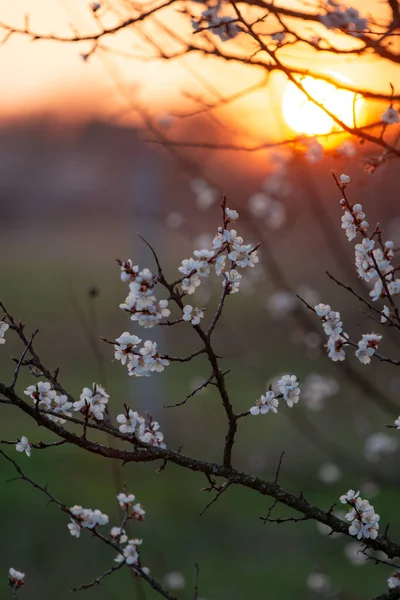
(50, 76)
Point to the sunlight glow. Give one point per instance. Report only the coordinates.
(306, 118)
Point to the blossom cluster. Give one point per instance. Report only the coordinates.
(289, 390)
(333, 328)
(85, 518)
(225, 27)
(337, 338)
(354, 221)
(147, 311)
(3, 328)
(92, 402)
(146, 431)
(130, 552)
(135, 512)
(44, 396)
(373, 263)
(346, 19)
(140, 362)
(141, 303)
(364, 520)
(227, 254)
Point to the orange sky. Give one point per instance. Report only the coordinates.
(37, 75)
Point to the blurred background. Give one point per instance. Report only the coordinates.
(79, 180)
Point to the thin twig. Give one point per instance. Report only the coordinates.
(20, 361)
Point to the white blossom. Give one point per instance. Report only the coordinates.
(17, 578)
(146, 360)
(394, 580)
(231, 214)
(322, 310)
(137, 512)
(151, 359)
(119, 558)
(76, 510)
(243, 255)
(74, 528)
(62, 406)
(41, 393)
(335, 347)
(265, 403)
(349, 496)
(129, 272)
(90, 518)
(288, 385)
(141, 303)
(85, 518)
(390, 116)
(130, 554)
(345, 179)
(397, 423)
(130, 423)
(364, 522)
(232, 281)
(150, 434)
(119, 534)
(92, 402)
(349, 225)
(189, 284)
(192, 314)
(367, 347)
(125, 499)
(100, 518)
(24, 445)
(204, 255)
(220, 264)
(124, 347)
(188, 265)
(332, 326)
(3, 328)
(394, 287)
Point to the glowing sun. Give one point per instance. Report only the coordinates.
(306, 118)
